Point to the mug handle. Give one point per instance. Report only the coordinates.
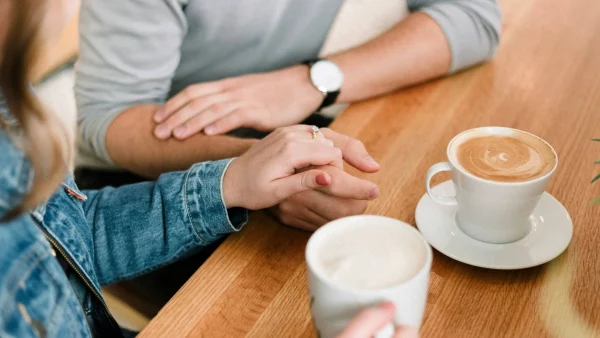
(437, 168)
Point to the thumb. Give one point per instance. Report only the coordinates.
(406, 332)
(353, 150)
(307, 180)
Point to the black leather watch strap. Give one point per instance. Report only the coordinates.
(311, 62)
(330, 97)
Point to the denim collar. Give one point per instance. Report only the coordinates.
(6, 117)
(15, 170)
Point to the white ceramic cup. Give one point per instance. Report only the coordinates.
(334, 306)
(490, 211)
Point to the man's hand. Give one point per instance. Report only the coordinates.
(260, 101)
(345, 196)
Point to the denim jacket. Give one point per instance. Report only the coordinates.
(105, 236)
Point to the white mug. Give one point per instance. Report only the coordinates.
(334, 306)
(490, 211)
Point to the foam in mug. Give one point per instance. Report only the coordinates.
(373, 257)
(513, 156)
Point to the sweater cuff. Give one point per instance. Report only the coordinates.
(472, 30)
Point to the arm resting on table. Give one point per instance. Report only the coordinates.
(132, 145)
(141, 227)
(439, 37)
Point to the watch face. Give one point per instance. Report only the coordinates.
(327, 76)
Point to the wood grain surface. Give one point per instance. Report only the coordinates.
(546, 80)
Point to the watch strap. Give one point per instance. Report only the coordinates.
(329, 99)
(311, 62)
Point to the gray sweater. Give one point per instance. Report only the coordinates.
(144, 51)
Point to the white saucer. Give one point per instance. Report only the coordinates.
(550, 234)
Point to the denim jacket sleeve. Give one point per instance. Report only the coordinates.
(140, 227)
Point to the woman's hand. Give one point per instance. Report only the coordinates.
(268, 173)
(370, 321)
(260, 101)
(347, 195)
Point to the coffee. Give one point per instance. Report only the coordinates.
(499, 175)
(357, 262)
(513, 157)
(372, 257)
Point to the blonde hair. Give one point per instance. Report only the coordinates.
(47, 144)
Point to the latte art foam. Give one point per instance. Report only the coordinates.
(517, 158)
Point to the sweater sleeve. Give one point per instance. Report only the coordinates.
(128, 53)
(472, 27)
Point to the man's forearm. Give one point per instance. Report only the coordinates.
(413, 51)
(132, 145)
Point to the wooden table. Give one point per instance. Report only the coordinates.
(545, 79)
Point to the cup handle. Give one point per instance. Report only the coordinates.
(437, 168)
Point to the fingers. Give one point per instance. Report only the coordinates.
(296, 206)
(186, 96)
(305, 132)
(244, 118)
(189, 110)
(302, 150)
(291, 185)
(301, 154)
(348, 186)
(298, 223)
(291, 213)
(369, 321)
(328, 207)
(353, 150)
(338, 162)
(240, 118)
(203, 119)
(406, 332)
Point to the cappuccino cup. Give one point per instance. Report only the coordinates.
(499, 175)
(361, 261)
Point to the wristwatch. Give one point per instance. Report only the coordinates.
(327, 77)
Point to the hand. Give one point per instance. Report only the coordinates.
(267, 173)
(370, 321)
(260, 101)
(345, 196)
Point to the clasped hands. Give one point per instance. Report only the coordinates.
(257, 101)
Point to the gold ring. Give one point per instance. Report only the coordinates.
(315, 130)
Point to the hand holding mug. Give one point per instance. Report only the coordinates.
(371, 321)
(357, 262)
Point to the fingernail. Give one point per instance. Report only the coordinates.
(162, 132)
(374, 193)
(179, 131)
(388, 306)
(158, 116)
(322, 179)
(210, 130)
(371, 160)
